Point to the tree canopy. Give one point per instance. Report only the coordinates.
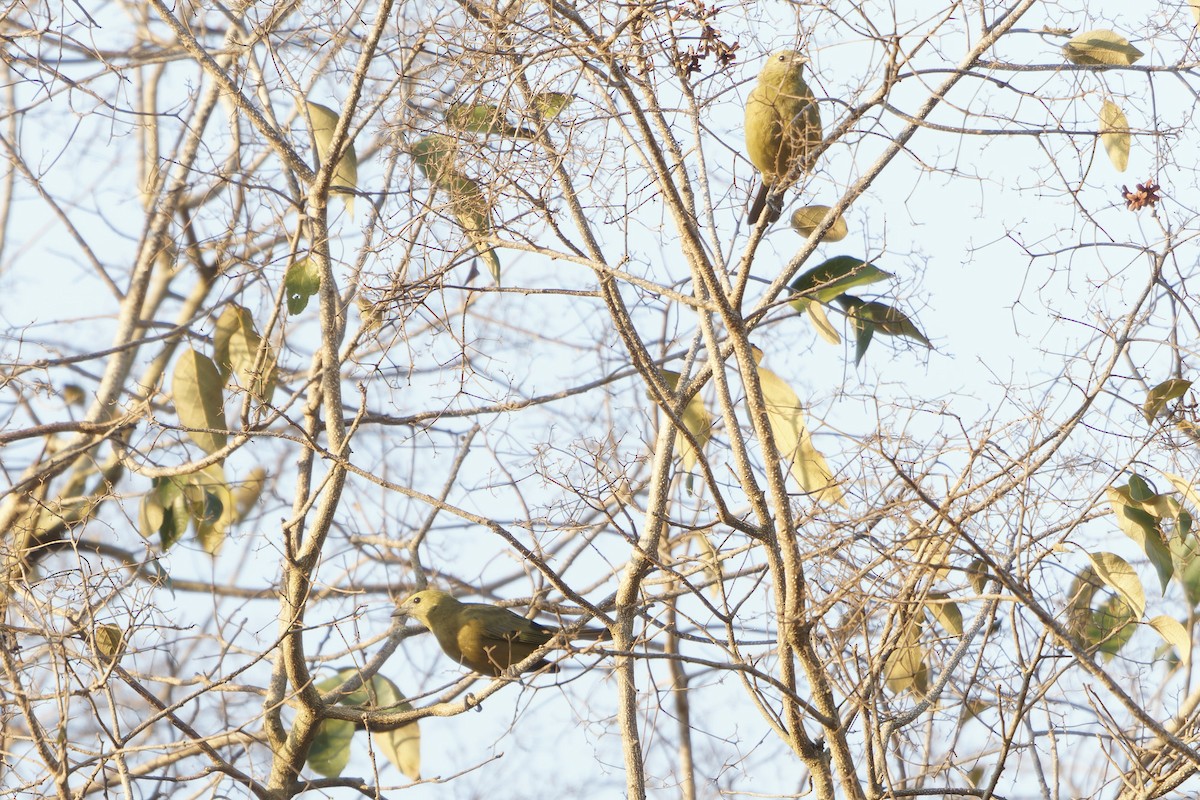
(312, 306)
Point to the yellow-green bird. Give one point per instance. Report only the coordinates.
(783, 126)
(487, 638)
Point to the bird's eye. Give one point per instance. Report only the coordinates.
(416, 601)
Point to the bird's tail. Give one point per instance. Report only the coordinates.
(592, 634)
(765, 203)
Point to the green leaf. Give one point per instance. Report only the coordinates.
(831, 278)
(1113, 624)
(1158, 397)
(1117, 574)
(330, 750)
(435, 155)
(885, 319)
(486, 119)
(805, 221)
(1139, 490)
(1174, 634)
(401, 747)
(1185, 552)
(550, 104)
(1114, 135)
(1101, 48)
(175, 510)
(1142, 527)
(217, 508)
(196, 387)
(696, 419)
(345, 174)
(794, 442)
(302, 281)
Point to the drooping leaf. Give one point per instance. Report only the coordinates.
(303, 280)
(369, 313)
(247, 491)
(151, 514)
(1101, 48)
(818, 319)
(945, 612)
(330, 750)
(1118, 575)
(232, 318)
(244, 344)
(905, 667)
(805, 221)
(73, 394)
(1174, 634)
(435, 156)
(345, 175)
(176, 516)
(1185, 552)
(977, 575)
(1139, 490)
(696, 419)
(1114, 135)
(402, 746)
(108, 642)
(869, 318)
(551, 104)
(1158, 397)
(1113, 624)
(217, 509)
(1141, 526)
(794, 441)
(831, 278)
(484, 118)
(196, 388)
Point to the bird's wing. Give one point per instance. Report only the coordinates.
(507, 627)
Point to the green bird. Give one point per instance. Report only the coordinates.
(487, 638)
(783, 125)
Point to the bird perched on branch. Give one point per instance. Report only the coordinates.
(783, 126)
(487, 638)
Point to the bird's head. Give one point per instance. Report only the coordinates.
(422, 604)
(781, 63)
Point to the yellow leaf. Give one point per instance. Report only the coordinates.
(345, 174)
(794, 442)
(1158, 397)
(818, 319)
(1175, 635)
(1114, 134)
(696, 419)
(1116, 572)
(805, 221)
(196, 386)
(1101, 48)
